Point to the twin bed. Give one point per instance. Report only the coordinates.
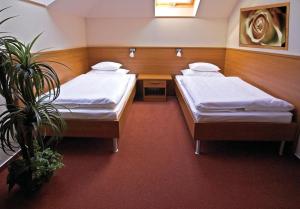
(96, 104)
(269, 119)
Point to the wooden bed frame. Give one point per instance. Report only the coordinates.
(235, 131)
(106, 129)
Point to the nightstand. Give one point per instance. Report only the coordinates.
(154, 86)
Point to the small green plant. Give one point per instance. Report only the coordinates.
(43, 167)
(45, 163)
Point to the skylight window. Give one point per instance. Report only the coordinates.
(42, 2)
(176, 8)
(173, 3)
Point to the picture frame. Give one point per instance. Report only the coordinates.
(265, 26)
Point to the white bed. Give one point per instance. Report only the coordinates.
(98, 105)
(226, 108)
(98, 113)
(236, 116)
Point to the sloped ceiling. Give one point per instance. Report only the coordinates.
(136, 8)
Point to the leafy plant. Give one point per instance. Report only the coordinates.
(29, 87)
(43, 166)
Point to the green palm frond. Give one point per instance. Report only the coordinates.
(8, 121)
(46, 118)
(35, 85)
(30, 72)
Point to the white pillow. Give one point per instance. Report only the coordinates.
(203, 66)
(118, 71)
(189, 72)
(107, 66)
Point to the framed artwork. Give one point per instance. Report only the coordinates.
(265, 26)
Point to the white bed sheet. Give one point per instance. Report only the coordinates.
(101, 114)
(189, 72)
(211, 94)
(275, 117)
(99, 90)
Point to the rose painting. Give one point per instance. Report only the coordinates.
(265, 26)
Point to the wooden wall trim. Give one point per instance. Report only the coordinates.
(277, 74)
(75, 58)
(153, 47)
(265, 53)
(157, 60)
(147, 60)
(63, 50)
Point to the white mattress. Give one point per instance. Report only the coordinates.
(276, 117)
(101, 114)
(212, 94)
(93, 90)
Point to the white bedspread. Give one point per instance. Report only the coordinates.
(189, 72)
(230, 94)
(93, 90)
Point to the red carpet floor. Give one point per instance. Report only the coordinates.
(156, 168)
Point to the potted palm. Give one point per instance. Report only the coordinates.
(28, 87)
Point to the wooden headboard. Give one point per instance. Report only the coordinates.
(76, 59)
(158, 59)
(275, 73)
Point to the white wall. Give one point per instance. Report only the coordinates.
(60, 31)
(294, 31)
(189, 32)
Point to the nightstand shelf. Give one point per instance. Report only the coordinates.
(154, 86)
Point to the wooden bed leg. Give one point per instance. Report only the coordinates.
(197, 151)
(281, 148)
(115, 145)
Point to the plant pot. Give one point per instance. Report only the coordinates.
(30, 178)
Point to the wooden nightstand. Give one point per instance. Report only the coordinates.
(154, 86)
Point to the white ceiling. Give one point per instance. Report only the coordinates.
(136, 8)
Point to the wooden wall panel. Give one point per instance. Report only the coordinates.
(275, 73)
(157, 60)
(76, 59)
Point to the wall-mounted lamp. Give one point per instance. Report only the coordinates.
(132, 52)
(179, 52)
